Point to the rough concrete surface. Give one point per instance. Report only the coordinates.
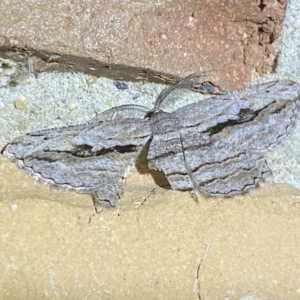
(158, 244)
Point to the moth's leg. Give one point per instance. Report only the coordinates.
(122, 112)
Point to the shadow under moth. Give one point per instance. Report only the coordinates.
(214, 146)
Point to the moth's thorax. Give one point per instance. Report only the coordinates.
(162, 121)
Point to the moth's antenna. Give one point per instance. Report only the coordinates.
(186, 82)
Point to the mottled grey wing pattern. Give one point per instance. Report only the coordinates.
(91, 158)
(216, 146)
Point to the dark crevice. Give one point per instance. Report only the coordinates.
(261, 5)
(141, 165)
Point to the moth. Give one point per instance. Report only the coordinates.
(214, 146)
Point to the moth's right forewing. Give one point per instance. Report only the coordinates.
(218, 165)
(222, 137)
(274, 106)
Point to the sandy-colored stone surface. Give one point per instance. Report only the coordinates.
(155, 245)
(128, 39)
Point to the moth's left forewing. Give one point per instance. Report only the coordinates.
(47, 140)
(90, 158)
